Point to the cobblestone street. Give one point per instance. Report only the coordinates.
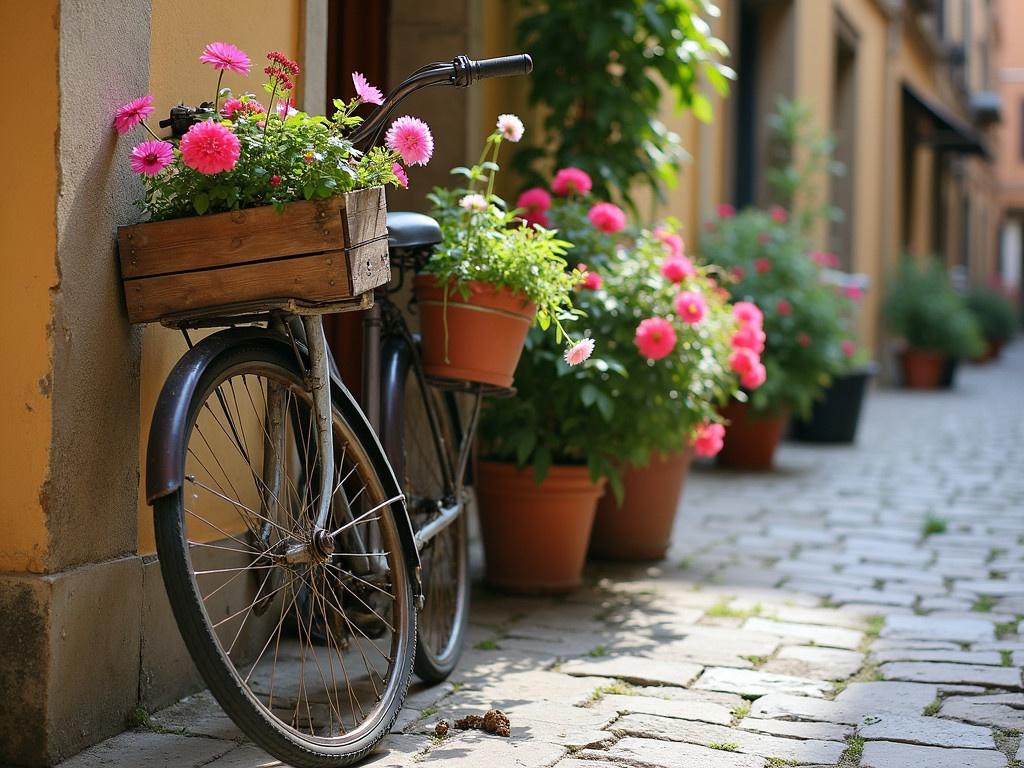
(857, 607)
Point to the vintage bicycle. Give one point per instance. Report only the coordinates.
(298, 548)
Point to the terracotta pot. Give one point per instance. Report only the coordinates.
(485, 331)
(922, 369)
(751, 439)
(535, 537)
(641, 528)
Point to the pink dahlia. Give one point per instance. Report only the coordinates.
(234, 107)
(571, 181)
(749, 338)
(691, 307)
(210, 148)
(823, 259)
(534, 200)
(754, 378)
(608, 218)
(725, 211)
(510, 127)
(709, 439)
(410, 137)
(590, 280)
(762, 266)
(748, 314)
(133, 113)
(225, 56)
(848, 347)
(853, 292)
(673, 243)
(401, 175)
(677, 268)
(579, 351)
(366, 92)
(743, 360)
(655, 338)
(778, 214)
(784, 308)
(151, 157)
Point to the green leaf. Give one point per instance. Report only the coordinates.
(201, 203)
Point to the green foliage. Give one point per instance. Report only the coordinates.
(769, 264)
(933, 524)
(599, 70)
(922, 307)
(996, 315)
(490, 245)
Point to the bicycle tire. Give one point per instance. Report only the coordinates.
(421, 463)
(258, 721)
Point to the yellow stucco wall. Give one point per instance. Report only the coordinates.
(28, 268)
(180, 31)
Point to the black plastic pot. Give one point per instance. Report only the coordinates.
(949, 370)
(835, 417)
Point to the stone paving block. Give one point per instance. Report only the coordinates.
(883, 644)
(153, 750)
(952, 657)
(797, 728)
(747, 682)
(874, 596)
(575, 762)
(994, 587)
(998, 711)
(934, 731)
(927, 628)
(653, 753)
(695, 709)
(821, 635)
(635, 669)
(250, 756)
(937, 672)
(801, 750)
(893, 573)
(199, 715)
(886, 754)
(815, 662)
(472, 749)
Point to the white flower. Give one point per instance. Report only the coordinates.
(475, 203)
(511, 127)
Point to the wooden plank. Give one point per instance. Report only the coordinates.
(237, 237)
(315, 279)
(364, 220)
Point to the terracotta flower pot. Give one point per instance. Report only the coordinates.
(922, 369)
(535, 537)
(641, 527)
(477, 338)
(751, 439)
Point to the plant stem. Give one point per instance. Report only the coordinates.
(490, 181)
(150, 131)
(270, 110)
(216, 98)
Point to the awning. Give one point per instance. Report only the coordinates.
(950, 132)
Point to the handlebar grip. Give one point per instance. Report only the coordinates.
(503, 66)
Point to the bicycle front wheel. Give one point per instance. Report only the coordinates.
(306, 641)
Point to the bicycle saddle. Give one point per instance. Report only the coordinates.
(412, 230)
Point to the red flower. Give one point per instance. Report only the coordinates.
(762, 266)
(784, 308)
(778, 214)
(726, 211)
(803, 340)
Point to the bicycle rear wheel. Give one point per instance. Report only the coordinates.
(421, 436)
(306, 642)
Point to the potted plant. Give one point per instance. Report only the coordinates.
(665, 324)
(931, 320)
(490, 278)
(780, 294)
(242, 173)
(996, 317)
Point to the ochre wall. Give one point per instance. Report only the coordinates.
(180, 31)
(28, 266)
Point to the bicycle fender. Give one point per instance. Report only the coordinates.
(165, 453)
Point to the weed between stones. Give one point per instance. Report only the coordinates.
(721, 609)
(728, 746)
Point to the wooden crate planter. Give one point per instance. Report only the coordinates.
(315, 254)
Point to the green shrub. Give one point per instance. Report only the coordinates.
(996, 316)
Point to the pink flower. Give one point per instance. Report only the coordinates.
(853, 292)
(210, 148)
(286, 108)
(655, 338)
(749, 338)
(673, 243)
(538, 219)
(762, 266)
(234, 107)
(748, 314)
(778, 214)
(151, 157)
(726, 211)
(579, 351)
(848, 347)
(225, 56)
(608, 218)
(275, 180)
(366, 92)
(410, 137)
(590, 280)
(822, 259)
(709, 439)
(401, 175)
(743, 360)
(691, 307)
(133, 113)
(510, 127)
(784, 308)
(476, 203)
(754, 378)
(803, 340)
(571, 181)
(677, 268)
(534, 200)
(737, 273)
